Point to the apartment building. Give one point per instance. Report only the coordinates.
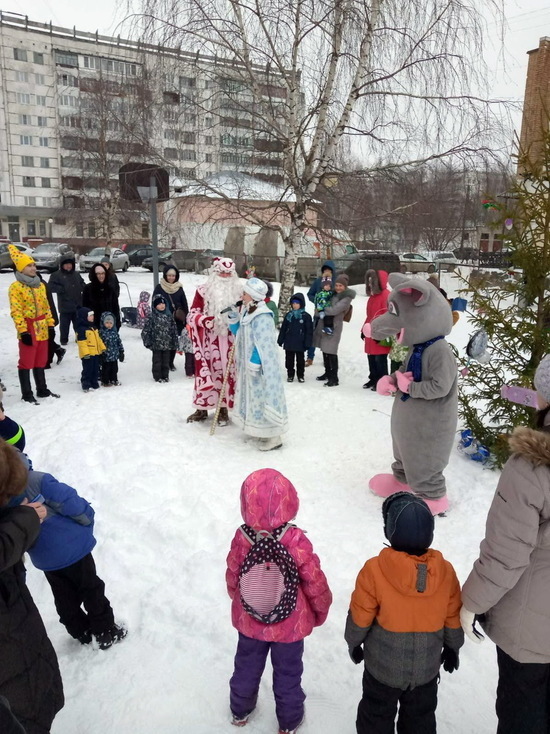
(76, 106)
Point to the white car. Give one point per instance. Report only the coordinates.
(412, 262)
(446, 261)
(119, 259)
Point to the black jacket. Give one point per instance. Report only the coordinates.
(49, 296)
(69, 287)
(100, 297)
(173, 300)
(29, 672)
(296, 333)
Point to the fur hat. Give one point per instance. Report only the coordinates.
(542, 378)
(408, 523)
(223, 265)
(255, 288)
(158, 298)
(342, 279)
(20, 259)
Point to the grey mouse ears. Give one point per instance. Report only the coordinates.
(419, 290)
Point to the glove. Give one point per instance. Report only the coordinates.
(233, 316)
(404, 380)
(362, 336)
(208, 322)
(386, 385)
(51, 332)
(468, 623)
(367, 330)
(121, 357)
(356, 654)
(26, 338)
(321, 314)
(449, 659)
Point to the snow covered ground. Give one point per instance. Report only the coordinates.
(166, 496)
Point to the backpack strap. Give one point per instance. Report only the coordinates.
(253, 537)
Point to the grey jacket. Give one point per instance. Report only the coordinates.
(339, 306)
(510, 581)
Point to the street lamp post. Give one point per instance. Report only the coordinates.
(50, 222)
(149, 194)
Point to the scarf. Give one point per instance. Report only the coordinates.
(295, 314)
(32, 281)
(170, 288)
(414, 364)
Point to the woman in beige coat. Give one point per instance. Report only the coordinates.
(508, 589)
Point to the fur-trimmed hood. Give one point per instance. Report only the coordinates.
(533, 446)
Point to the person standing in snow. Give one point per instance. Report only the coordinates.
(67, 283)
(100, 296)
(269, 501)
(260, 405)
(90, 348)
(114, 350)
(295, 337)
(508, 589)
(328, 270)
(161, 337)
(376, 286)
(212, 340)
(176, 301)
(111, 275)
(403, 623)
(143, 309)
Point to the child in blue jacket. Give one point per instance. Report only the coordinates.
(114, 350)
(63, 550)
(296, 336)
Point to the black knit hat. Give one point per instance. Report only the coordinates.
(158, 298)
(408, 523)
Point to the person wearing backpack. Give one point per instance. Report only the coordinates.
(272, 615)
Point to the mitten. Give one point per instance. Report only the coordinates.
(468, 623)
(321, 314)
(121, 357)
(356, 654)
(362, 336)
(404, 380)
(367, 330)
(386, 385)
(26, 338)
(208, 322)
(449, 659)
(233, 316)
(51, 332)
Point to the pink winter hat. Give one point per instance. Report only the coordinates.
(268, 500)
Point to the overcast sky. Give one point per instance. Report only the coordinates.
(526, 22)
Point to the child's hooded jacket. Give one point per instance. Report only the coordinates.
(114, 349)
(88, 339)
(160, 332)
(296, 334)
(268, 500)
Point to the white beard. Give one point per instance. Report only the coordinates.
(219, 293)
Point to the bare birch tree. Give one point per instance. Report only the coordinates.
(397, 77)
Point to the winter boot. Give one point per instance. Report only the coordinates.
(268, 444)
(85, 638)
(438, 506)
(198, 416)
(385, 485)
(26, 389)
(60, 354)
(107, 639)
(326, 374)
(223, 417)
(41, 387)
(239, 720)
(332, 370)
(291, 731)
(309, 362)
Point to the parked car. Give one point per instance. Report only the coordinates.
(412, 262)
(48, 255)
(446, 261)
(137, 256)
(355, 266)
(164, 259)
(119, 259)
(5, 257)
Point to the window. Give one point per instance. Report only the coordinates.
(65, 58)
(170, 98)
(25, 139)
(19, 54)
(188, 81)
(188, 173)
(145, 229)
(66, 100)
(44, 163)
(24, 119)
(46, 183)
(44, 142)
(80, 230)
(208, 121)
(42, 227)
(170, 135)
(23, 98)
(21, 76)
(41, 100)
(188, 155)
(91, 230)
(188, 138)
(27, 160)
(38, 58)
(170, 114)
(30, 200)
(41, 121)
(190, 119)
(40, 78)
(70, 121)
(67, 80)
(31, 227)
(170, 153)
(209, 140)
(208, 157)
(28, 181)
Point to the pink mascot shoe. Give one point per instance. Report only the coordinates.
(384, 485)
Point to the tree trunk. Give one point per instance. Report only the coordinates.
(288, 275)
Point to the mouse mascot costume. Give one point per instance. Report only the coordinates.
(424, 414)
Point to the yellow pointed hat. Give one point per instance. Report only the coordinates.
(20, 259)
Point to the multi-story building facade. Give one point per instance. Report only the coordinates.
(76, 106)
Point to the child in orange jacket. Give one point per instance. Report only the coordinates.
(405, 613)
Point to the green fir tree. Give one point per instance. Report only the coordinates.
(513, 310)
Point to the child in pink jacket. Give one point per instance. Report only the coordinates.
(269, 500)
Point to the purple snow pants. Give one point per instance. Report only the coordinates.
(286, 658)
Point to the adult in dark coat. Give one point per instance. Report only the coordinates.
(174, 296)
(328, 270)
(29, 673)
(99, 295)
(69, 286)
(54, 349)
(111, 275)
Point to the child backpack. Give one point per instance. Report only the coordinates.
(268, 579)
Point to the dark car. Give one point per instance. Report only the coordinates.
(138, 256)
(164, 259)
(47, 256)
(356, 265)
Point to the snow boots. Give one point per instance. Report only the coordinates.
(41, 387)
(26, 389)
(384, 485)
(198, 416)
(109, 638)
(239, 720)
(223, 417)
(268, 444)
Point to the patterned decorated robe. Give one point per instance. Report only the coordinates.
(260, 405)
(211, 356)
